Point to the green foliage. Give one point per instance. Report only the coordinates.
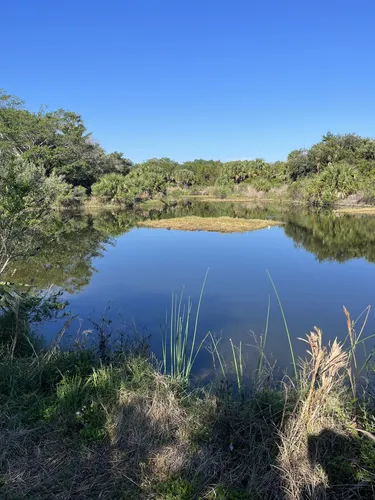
(150, 179)
(175, 488)
(56, 141)
(119, 164)
(299, 164)
(338, 180)
(261, 175)
(235, 172)
(206, 172)
(223, 191)
(147, 180)
(184, 177)
(262, 184)
(58, 144)
(114, 188)
(20, 311)
(73, 197)
(27, 198)
(25, 189)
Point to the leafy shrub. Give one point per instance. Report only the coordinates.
(338, 180)
(113, 187)
(72, 198)
(148, 180)
(222, 192)
(206, 172)
(262, 184)
(175, 488)
(184, 177)
(368, 189)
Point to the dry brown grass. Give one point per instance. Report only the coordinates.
(148, 434)
(315, 433)
(216, 224)
(156, 437)
(356, 211)
(230, 199)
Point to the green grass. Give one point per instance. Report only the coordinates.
(286, 329)
(179, 341)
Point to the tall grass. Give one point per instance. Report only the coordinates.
(238, 366)
(179, 342)
(355, 340)
(263, 340)
(286, 328)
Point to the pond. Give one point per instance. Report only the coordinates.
(319, 262)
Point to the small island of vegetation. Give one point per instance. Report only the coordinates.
(216, 224)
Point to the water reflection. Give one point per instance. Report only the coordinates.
(104, 258)
(65, 257)
(334, 237)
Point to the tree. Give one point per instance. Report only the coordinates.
(184, 177)
(206, 172)
(117, 163)
(58, 141)
(10, 101)
(26, 200)
(299, 164)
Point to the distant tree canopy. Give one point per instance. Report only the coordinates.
(205, 171)
(59, 144)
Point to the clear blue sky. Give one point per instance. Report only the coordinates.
(188, 79)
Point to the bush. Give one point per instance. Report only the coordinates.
(338, 180)
(222, 192)
(184, 178)
(73, 198)
(368, 189)
(113, 188)
(262, 184)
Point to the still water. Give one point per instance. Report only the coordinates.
(319, 262)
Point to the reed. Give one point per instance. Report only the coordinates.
(263, 341)
(238, 366)
(286, 328)
(179, 341)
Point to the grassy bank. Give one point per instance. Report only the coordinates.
(356, 210)
(79, 425)
(217, 224)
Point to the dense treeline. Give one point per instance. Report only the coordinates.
(56, 148)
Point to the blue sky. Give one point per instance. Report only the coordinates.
(189, 79)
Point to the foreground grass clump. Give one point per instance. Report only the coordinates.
(216, 224)
(125, 431)
(75, 426)
(119, 424)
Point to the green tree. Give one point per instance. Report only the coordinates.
(58, 141)
(117, 163)
(206, 172)
(26, 198)
(184, 177)
(299, 164)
